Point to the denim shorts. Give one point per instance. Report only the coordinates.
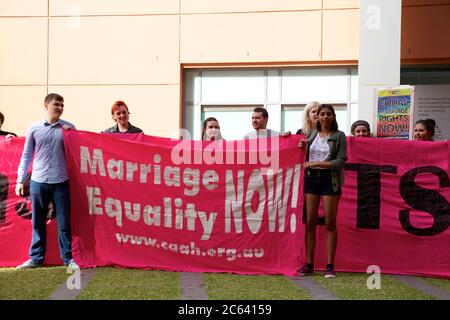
(319, 182)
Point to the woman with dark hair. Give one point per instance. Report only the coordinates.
(361, 128)
(324, 176)
(211, 130)
(121, 115)
(424, 130)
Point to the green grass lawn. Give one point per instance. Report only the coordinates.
(33, 284)
(440, 283)
(352, 286)
(230, 286)
(132, 284)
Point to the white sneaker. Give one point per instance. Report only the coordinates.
(29, 264)
(73, 265)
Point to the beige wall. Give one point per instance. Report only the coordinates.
(90, 106)
(340, 34)
(23, 8)
(233, 6)
(114, 50)
(251, 37)
(23, 51)
(113, 7)
(94, 52)
(21, 105)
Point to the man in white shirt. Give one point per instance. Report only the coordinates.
(267, 149)
(260, 117)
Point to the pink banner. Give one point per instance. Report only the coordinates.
(15, 212)
(394, 212)
(185, 206)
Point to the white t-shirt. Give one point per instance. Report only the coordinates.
(319, 149)
(261, 133)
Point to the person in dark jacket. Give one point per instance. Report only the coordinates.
(121, 115)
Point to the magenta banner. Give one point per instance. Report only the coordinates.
(395, 212)
(15, 212)
(225, 206)
(156, 203)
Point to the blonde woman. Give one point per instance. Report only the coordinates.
(310, 118)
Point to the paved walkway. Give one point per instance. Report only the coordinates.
(191, 283)
(192, 286)
(418, 284)
(315, 290)
(64, 293)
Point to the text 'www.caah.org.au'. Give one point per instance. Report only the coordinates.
(190, 249)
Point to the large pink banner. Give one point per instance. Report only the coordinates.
(225, 206)
(394, 212)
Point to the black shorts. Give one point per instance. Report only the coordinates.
(319, 182)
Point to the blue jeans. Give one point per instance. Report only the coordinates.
(41, 195)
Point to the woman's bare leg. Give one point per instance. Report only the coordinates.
(331, 207)
(312, 212)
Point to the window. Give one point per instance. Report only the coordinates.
(230, 96)
(425, 75)
(293, 117)
(234, 121)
